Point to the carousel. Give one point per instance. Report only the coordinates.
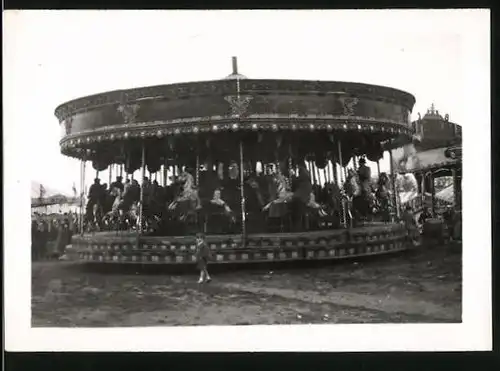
(269, 170)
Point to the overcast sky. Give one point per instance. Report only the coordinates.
(56, 56)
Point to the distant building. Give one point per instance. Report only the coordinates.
(435, 131)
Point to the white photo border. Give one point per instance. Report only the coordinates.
(474, 333)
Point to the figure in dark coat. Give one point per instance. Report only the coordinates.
(203, 255)
(35, 240)
(117, 184)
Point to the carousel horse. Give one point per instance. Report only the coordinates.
(120, 215)
(333, 199)
(111, 219)
(254, 185)
(360, 200)
(92, 221)
(188, 201)
(383, 196)
(312, 204)
(279, 207)
(283, 193)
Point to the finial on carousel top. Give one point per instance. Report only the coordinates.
(433, 114)
(235, 75)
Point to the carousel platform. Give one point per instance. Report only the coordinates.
(131, 248)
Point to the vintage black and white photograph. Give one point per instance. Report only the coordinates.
(220, 168)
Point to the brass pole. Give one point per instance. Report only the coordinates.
(344, 211)
(242, 183)
(335, 175)
(393, 183)
(313, 171)
(197, 169)
(141, 199)
(433, 192)
(82, 194)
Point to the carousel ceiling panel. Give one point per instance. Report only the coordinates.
(217, 106)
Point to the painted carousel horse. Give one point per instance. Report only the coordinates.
(361, 203)
(113, 219)
(123, 215)
(254, 204)
(277, 207)
(93, 217)
(383, 196)
(333, 200)
(313, 205)
(187, 203)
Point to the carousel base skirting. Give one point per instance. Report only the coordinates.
(129, 248)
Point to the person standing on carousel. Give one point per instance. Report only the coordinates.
(117, 184)
(302, 195)
(94, 196)
(364, 175)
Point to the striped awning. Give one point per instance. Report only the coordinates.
(447, 195)
(425, 160)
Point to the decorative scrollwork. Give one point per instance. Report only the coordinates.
(239, 104)
(349, 105)
(129, 112)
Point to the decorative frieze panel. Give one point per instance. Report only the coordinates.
(225, 87)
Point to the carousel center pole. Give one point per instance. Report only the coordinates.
(141, 199)
(242, 171)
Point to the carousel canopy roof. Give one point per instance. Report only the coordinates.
(103, 125)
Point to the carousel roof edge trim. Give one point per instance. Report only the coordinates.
(224, 86)
(157, 130)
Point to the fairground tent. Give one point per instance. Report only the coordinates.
(47, 200)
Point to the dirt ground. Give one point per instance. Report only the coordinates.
(415, 286)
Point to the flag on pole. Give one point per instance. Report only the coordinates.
(74, 190)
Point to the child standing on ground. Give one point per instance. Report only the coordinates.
(202, 258)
